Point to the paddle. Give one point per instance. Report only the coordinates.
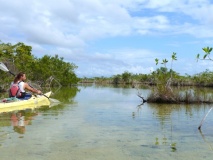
(4, 68)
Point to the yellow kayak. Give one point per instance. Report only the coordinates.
(34, 102)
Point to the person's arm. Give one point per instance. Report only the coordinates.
(26, 86)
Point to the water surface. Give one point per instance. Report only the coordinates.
(107, 123)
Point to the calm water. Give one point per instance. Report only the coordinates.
(106, 123)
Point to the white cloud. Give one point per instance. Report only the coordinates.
(69, 27)
(117, 62)
(86, 20)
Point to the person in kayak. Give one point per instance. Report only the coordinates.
(18, 87)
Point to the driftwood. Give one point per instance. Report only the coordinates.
(143, 100)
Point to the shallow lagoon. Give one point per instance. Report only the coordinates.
(107, 123)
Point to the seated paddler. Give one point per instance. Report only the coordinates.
(19, 86)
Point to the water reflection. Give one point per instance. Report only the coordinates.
(21, 119)
(139, 108)
(23, 116)
(110, 123)
(173, 120)
(66, 94)
(210, 145)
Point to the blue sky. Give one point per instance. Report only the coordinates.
(109, 37)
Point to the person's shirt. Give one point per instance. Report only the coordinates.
(21, 87)
(21, 121)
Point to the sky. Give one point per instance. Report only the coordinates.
(110, 37)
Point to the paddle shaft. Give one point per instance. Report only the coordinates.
(12, 73)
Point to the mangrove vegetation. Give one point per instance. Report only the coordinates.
(163, 82)
(19, 58)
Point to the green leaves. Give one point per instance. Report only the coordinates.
(156, 61)
(174, 57)
(56, 67)
(164, 61)
(206, 55)
(126, 76)
(207, 50)
(198, 56)
(164, 76)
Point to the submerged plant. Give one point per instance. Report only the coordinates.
(156, 141)
(173, 147)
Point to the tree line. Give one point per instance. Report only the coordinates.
(161, 74)
(163, 79)
(203, 79)
(19, 58)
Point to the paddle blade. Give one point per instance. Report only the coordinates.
(52, 100)
(3, 67)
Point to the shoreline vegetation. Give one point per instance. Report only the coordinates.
(180, 91)
(45, 71)
(164, 80)
(54, 71)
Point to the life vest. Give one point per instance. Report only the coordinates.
(14, 89)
